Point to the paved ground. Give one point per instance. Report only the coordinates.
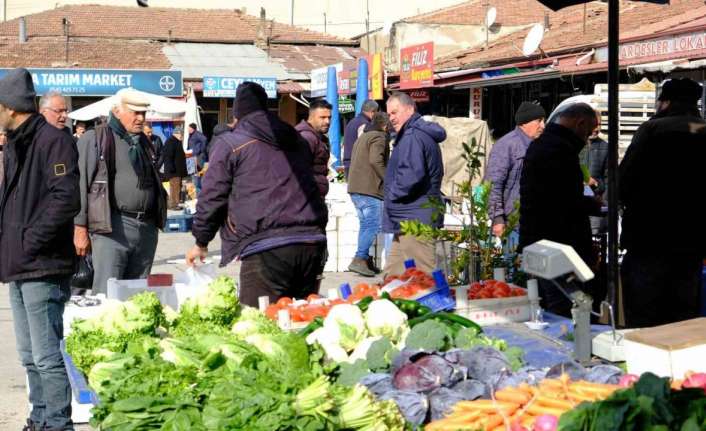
(172, 247)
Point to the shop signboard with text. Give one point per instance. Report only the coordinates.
(105, 82)
(225, 86)
(417, 66)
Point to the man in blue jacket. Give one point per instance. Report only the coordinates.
(198, 145)
(505, 164)
(412, 179)
(39, 198)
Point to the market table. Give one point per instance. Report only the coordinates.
(543, 348)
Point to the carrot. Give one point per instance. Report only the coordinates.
(580, 397)
(487, 405)
(492, 421)
(555, 403)
(512, 395)
(467, 416)
(539, 410)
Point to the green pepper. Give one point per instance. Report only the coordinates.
(315, 324)
(447, 318)
(364, 303)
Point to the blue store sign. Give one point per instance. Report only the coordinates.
(224, 86)
(105, 82)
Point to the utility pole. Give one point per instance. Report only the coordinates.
(324, 22)
(291, 19)
(367, 24)
(67, 25)
(4, 10)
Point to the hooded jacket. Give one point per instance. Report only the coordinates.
(38, 202)
(259, 185)
(552, 201)
(414, 174)
(320, 149)
(353, 130)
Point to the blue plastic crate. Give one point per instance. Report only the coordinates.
(440, 299)
(82, 392)
(178, 223)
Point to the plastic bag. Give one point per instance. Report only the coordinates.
(193, 280)
(82, 280)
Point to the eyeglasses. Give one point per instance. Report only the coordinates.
(58, 111)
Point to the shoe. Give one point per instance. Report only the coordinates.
(360, 266)
(372, 267)
(31, 426)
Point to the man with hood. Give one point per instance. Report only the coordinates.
(261, 193)
(38, 201)
(218, 130)
(662, 174)
(412, 180)
(552, 201)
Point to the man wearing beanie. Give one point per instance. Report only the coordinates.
(663, 169)
(38, 202)
(260, 192)
(123, 203)
(505, 165)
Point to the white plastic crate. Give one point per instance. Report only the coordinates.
(124, 289)
(497, 310)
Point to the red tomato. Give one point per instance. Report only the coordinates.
(298, 314)
(501, 285)
(360, 287)
(284, 302)
(271, 311)
(500, 293)
(313, 297)
(518, 291)
(485, 294)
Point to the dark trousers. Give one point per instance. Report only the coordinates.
(292, 270)
(660, 289)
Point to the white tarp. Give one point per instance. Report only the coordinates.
(161, 108)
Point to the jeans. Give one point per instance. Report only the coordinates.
(370, 216)
(37, 312)
(126, 253)
(197, 183)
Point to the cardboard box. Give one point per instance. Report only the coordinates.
(667, 350)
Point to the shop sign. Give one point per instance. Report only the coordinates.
(225, 86)
(346, 105)
(344, 82)
(477, 102)
(417, 66)
(105, 82)
(420, 95)
(319, 79)
(671, 45)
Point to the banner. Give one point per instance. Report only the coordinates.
(105, 82)
(417, 66)
(319, 79)
(224, 86)
(477, 103)
(376, 77)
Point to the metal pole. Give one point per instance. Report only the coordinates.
(4, 10)
(613, 139)
(367, 25)
(291, 19)
(324, 22)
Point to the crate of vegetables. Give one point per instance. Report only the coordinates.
(493, 302)
(300, 312)
(431, 290)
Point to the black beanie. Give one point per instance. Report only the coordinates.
(682, 90)
(17, 91)
(528, 112)
(249, 97)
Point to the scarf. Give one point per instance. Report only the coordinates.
(137, 153)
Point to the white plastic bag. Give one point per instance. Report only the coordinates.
(190, 282)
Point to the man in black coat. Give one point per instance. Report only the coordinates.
(552, 201)
(38, 202)
(661, 187)
(173, 162)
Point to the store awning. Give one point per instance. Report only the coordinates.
(668, 66)
(534, 75)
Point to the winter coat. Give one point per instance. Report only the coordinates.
(173, 159)
(661, 186)
(367, 170)
(595, 157)
(259, 185)
(552, 201)
(503, 171)
(198, 144)
(38, 202)
(218, 130)
(321, 150)
(353, 130)
(414, 174)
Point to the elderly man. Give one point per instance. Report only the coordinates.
(552, 201)
(354, 129)
(412, 179)
(53, 107)
(505, 165)
(314, 130)
(122, 201)
(260, 191)
(663, 168)
(37, 205)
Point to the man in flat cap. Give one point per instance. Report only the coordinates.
(661, 190)
(123, 203)
(505, 164)
(38, 201)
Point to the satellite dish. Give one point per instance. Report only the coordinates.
(142, 3)
(533, 39)
(490, 17)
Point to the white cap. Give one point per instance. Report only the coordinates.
(133, 99)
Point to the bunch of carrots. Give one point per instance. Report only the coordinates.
(518, 408)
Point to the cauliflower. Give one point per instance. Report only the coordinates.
(383, 318)
(347, 321)
(361, 350)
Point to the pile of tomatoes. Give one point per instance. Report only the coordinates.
(490, 289)
(416, 282)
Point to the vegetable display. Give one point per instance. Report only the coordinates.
(215, 366)
(489, 289)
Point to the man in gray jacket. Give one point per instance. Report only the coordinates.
(122, 200)
(505, 163)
